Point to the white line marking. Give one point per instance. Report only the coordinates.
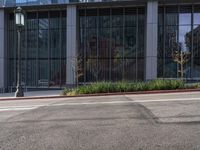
(162, 94)
(167, 100)
(18, 108)
(92, 103)
(25, 106)
(124, 102)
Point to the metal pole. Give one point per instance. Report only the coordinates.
(19, 91)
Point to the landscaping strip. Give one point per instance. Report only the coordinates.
(109, 87)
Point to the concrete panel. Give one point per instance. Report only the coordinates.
(2, 72)
(2, 49)
(71, 13)
(68, 15)
(2, 43)
(151, 40)
(151, 49)
(1, 17)
(71, 45)
(151, 10)
(151, 67)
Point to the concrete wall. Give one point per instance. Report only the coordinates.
(151, 40)
(2, 47)
(71, 44)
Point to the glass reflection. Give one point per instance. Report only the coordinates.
(183, 38)
(44, 49)
(196, 18)
(112, 46)
(185, 18)
(180, 32)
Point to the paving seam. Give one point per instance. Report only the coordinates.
(145, 112)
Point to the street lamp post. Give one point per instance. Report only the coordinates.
(19, 21)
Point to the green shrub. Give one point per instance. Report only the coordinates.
(65, 91)
(109, 87)
(198, 85)
(193, 85)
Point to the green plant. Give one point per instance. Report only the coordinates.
(193, 85)
(65, 91)
(109, 87)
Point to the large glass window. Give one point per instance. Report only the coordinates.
(104, 44)
(32, 40)
(178, 30)
(112, 44)
(12, 53)
(196, 42)
(43, 49)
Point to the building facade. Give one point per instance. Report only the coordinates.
(68, 41)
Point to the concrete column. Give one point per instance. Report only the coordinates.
(71, 44)
(151, 39)
(2, 49)
(1, 3)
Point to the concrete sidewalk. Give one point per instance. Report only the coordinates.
(47, 93)
(57, 94)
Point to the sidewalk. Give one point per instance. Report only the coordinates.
(32, 94)
(56, 94)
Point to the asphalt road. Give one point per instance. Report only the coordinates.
(128, 122)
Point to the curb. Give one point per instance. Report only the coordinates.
(103, 94)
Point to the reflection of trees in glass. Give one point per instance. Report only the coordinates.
(181, 58)
(170, 67)
(195, 44)
(196, 40)
(44, 57)
(180, 25)
(180, 55)
(171, 40)
(113, 45)
(77, 65)
(91, 56)
(92, 68)
(130, 52)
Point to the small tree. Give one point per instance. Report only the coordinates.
(179, 55)
(181, 58)
(77, 68)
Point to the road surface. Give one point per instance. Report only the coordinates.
(127, 122)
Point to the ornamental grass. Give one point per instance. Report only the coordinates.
(123, 86)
